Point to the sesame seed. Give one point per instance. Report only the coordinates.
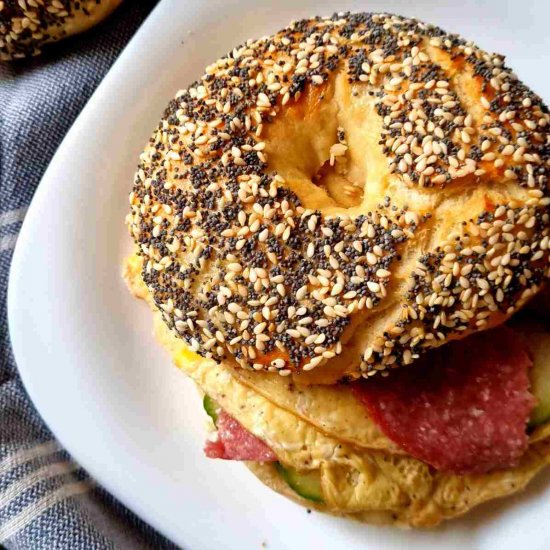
(373, 287)
(301, 293)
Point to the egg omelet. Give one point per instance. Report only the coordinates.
(326, 432)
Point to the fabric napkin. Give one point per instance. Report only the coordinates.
(46, 500)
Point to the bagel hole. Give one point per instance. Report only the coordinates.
(333, 179)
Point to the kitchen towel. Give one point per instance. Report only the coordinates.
(46, 500)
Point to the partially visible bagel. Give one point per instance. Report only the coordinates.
(26, 25)
(342, 196)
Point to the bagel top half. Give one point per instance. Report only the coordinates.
(335, 199)
(27, 25)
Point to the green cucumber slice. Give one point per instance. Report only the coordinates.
(536, 331)
(539, 344)
(306, 484)
(211, 408)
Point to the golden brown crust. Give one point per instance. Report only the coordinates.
(346, 193)
(26, 25)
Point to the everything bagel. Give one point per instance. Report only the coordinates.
(26, 25)
(335, 199)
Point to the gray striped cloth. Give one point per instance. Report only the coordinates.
(46, 500)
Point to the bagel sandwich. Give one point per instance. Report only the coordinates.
(343, 232)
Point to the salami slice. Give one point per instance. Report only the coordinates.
(236, 443)
(463, 408)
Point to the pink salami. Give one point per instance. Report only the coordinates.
(463, 408)
(236, 443)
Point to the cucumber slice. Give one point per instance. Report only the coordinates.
(306, 484)
(211, 408)
(539, 344)
(536, 332)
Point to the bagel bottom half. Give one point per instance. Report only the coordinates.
(325, 430)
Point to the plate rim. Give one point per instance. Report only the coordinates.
(119, 65)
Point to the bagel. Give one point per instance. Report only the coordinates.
(336, 199)
(26, 25)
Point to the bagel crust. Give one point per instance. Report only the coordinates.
(335, 199)
(26, 25)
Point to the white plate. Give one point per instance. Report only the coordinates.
(84, 346)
